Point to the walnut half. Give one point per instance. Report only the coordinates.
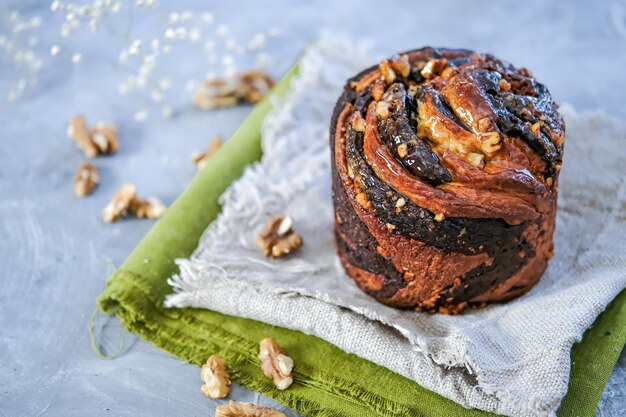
(125, 201)
(100, 139)
(121, 203)
(215, 377)
(236, 409)
(275, 364)
(277, 238)
(86, 179)
(250, 87)
(151, 208)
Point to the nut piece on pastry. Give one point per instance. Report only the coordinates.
(237, 409)
(215, 377)
(445, 179)
(101, 139)
(86, 179)
(278, 239)
(275, 364)
(123, 201)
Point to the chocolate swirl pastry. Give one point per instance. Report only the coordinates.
(445, 173)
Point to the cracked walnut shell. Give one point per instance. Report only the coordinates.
(278, 239)
(86, 179)
(215, 377)
(275, 364)
(237, 409)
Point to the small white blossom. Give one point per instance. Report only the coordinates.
(186, 16)
(262, 60)
(123, 57)
(230, 44)
(54, 51)
(166, 112)
(207, 17)
(209, 45)
(257, 41)
(165, 84)
(141, 115)
(76, 58)
(181, 32)
(170, 33)
(273, 32)
(56, 6)
(173, 18)
(191, 85)
(155, 44)
(222, 30)
(228, 60)
(156, 95)
(195, 35)
(134, 48)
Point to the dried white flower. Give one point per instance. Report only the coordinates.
(257, 41)
(222, 30)
(166, 112)
(195, 35)
(165, 84)
(273, 32)
(155, 44)
(141, 115)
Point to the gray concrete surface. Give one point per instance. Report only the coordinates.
(55, 251)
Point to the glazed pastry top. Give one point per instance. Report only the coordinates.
(458, 133)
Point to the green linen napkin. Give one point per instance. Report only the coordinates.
(327, 380)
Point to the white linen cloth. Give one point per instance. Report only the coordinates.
(512, 359)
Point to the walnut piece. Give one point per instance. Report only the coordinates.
(125, 201)
(215, 377)
(250, 87)
(151, 208)
(434, 67)
(236, 409)
(254, 85)
(86, 179)
(200, 159)
(387, 71)
(101, 139)
(277, 238)
(275, 364)
(121, 203)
